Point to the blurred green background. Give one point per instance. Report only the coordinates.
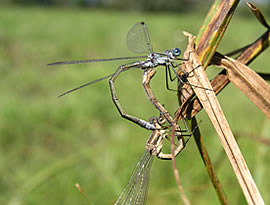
(49, 144)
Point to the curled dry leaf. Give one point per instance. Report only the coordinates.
(249, 82)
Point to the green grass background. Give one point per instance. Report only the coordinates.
(49, 144)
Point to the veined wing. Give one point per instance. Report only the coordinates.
(138, 39)
(135, 193)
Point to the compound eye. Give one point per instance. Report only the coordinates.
(176, 52)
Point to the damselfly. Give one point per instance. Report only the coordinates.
(138, 41)
(135, 193)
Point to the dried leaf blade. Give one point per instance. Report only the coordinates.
(259, 15)
(249, 82)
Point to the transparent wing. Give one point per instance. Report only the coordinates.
(138, 39)
(180, 40)
(136, 190)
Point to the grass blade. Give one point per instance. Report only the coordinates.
(206, 160)
(213, 28)
(255, 49)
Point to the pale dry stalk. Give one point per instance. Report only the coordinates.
(212, 107)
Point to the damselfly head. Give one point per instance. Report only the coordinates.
(176, 52)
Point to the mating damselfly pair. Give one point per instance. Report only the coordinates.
(138, 41)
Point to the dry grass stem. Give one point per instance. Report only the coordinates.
(211, 105)
(183, 196)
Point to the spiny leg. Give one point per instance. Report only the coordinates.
(122, 112)
(183, 79)
(168, 73)
(171, 78)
